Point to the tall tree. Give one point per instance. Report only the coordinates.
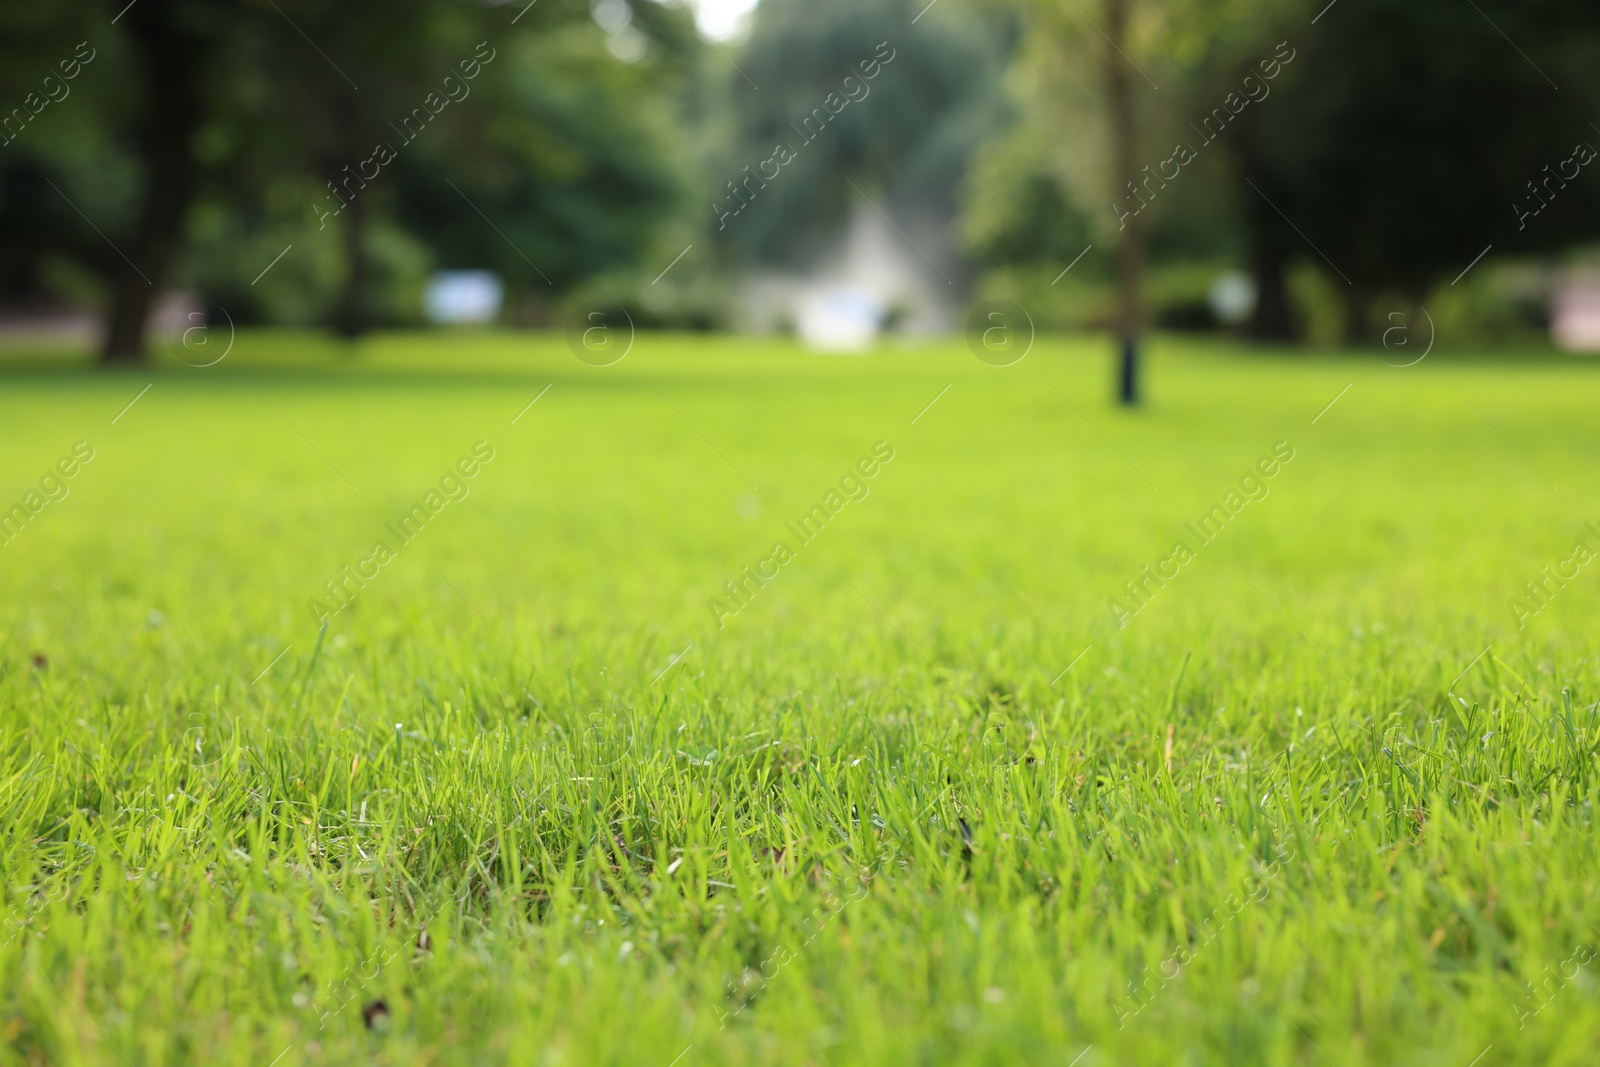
(575, 155)
(238, 106)
(1084, 88)
(1407, 138)
(863, 92)
(344, 76)
(170, 44)
(1124, 127)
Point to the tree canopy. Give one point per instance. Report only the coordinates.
(366, 141)
(303, 163)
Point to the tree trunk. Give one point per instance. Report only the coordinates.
(169, 58)
(1357, 317)
(1125, 164)
(351, 318)
(1273, 317)
(1270, 243)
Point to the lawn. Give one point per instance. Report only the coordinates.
(555, 779)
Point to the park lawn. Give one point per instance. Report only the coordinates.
(549, 794)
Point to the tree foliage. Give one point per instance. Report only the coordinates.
(1397, 145)
(933, 101)
(1410, 130)
(208, 135)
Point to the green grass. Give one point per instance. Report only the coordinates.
(870, 820)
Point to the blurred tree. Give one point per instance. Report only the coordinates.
(170, 41)
(245, 118)
(1018, 211)
(572, 162)
(1085, 86)
(140, 93)
(1215, 46)
(1403, 138)
(1390, 151)
(1051, 185)
(934, 97)
(1125, 156)
(315, 52)
(535, 152)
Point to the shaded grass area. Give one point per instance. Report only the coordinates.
(920, 799)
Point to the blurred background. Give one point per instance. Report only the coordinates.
(1288, 172)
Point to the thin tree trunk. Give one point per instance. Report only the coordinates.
(351, 319)
(169, 59)
(1357, 317)
(1125, 164)
(1273, 316)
